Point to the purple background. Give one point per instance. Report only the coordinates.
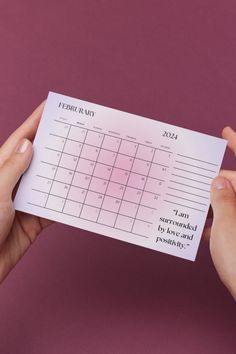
(77, 292)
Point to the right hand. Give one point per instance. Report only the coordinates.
(222, 233)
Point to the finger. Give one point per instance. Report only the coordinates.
(223, 201)
(13, 168)
(229, 134)
(26, 130)
(207, 233)
(230, 175)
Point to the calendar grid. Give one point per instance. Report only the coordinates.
(96, 177)
(73, 125)
(58, 162)
(74, 172)
(105, 192)
(100, 192)
(144, 185)
(102, 163)
(122, 175)
(118, 211)
(84, 203)
(59, 136)
(94, 222)
(91, 178)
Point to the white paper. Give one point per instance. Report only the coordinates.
(121, 175)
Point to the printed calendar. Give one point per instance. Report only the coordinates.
(121, 175)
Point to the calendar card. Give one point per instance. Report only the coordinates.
(121, 175)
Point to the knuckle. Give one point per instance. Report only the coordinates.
(228, 201)
(224, 199)
(9, 163)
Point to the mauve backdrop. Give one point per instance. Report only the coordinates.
(77, 292)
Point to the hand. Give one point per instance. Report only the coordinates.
(18, 230)
(222, 233)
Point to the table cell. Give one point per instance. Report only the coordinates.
(51, 156)
(77, 134)
(68, 161)
(150, 199)
(89, 213)
(42, 184)
(111, 204)
(132, 194)
(141, 166)
(37, 198)
(142, 228)
(102, 171)
(63, 175)
(124, 161)
(73, 147)
(72, 208)
(124, 223)
(60, 129)
(107, 218)
(162, 157)
(115, 190)
(147, 214)
(136, 181)
(85, 166)
(47, 170)
(89, 152)
(56, 143)
(94, 138)
(107, 157)
(77, 194)
(119, 176)
(94, 199)
(157, 171)
(59, 189)
(81, 180)
(55, 203)
(98, 185)
(128, 148)
(153, 185)
(111, 143)
(128, 208)
(145, 152)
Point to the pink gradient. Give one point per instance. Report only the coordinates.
(77, 134)
(98, 185)
(76, 292)
(111, 142)
(72, 208)
(108, 156)
(107, 218)
(73, 147)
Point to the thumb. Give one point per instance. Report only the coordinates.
(223, 200)
(222, 239)
(13, 168)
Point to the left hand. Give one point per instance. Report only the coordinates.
(17, 230)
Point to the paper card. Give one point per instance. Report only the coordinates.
(121, 175)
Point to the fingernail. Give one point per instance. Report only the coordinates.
(22, 147)
(219, 183)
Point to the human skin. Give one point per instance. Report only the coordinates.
(19, 230)
(222, 233)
